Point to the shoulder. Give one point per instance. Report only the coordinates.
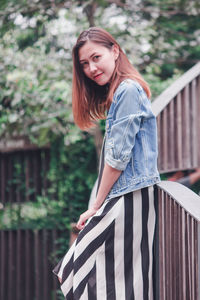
(129, 87)
(127, 98)
(128, 92)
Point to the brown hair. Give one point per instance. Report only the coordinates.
(90, 100)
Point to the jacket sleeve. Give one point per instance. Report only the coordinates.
(131, 107)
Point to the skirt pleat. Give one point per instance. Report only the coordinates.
(113, 255)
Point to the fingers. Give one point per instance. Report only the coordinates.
(80, 226)
(83, 218)
(81, 223)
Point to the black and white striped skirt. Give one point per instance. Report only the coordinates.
(112, 257)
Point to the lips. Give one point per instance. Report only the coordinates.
(98, 76)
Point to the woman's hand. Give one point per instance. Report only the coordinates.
(83, 217)
(109, 176)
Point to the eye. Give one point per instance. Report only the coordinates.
(84, 64)
(96, 58)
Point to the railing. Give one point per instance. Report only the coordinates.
(26, 260)
(177, 243)
(23, 175)
(177, 110)
(25, 264)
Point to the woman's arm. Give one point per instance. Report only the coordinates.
(109, 176)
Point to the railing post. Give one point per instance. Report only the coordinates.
(156, 281)
(198, 262)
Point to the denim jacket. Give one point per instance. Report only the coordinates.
(131, 139)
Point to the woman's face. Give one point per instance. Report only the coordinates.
(98, 62)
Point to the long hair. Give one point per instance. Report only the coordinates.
(90, 100)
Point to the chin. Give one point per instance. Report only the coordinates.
(102, 83)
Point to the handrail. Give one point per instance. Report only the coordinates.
(165, 97)
(176, 243)
(177, 111)
(182, 195)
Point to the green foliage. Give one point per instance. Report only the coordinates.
(73, 174)
(36, 74)
(160, 39)
(176, 43)
(33, 102)
(71, 177)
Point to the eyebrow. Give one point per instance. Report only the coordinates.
(93, 54)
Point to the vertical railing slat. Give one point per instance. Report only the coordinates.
(11, 265)
(183, 252)
(3, 262)
(164, 139)
(186, 128)
(160, 148)
(161, 248)
(192, 255)
(188, 258)
(181, 279)
(194, 120)
(54, 248)
(178, 148)
(18, 265)
(171, 136)
(167, 242)
(175, 249)
(198, 123)
(198, 260)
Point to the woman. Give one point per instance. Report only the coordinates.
(112, 256)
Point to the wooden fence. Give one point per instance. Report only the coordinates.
(26, 260)
(23, 174)
(177, 243)
(25, 265)
(178, 110)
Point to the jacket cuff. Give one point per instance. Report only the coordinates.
(116, 163)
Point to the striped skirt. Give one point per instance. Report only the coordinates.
(112, 257)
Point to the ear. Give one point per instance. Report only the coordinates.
(115, 49)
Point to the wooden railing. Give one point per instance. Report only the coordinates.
(177, 243)
(178, 111)
(23, 175)
(26, 260)
(26, 264)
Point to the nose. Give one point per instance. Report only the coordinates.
(93, 67)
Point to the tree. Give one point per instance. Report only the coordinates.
(161, 39)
